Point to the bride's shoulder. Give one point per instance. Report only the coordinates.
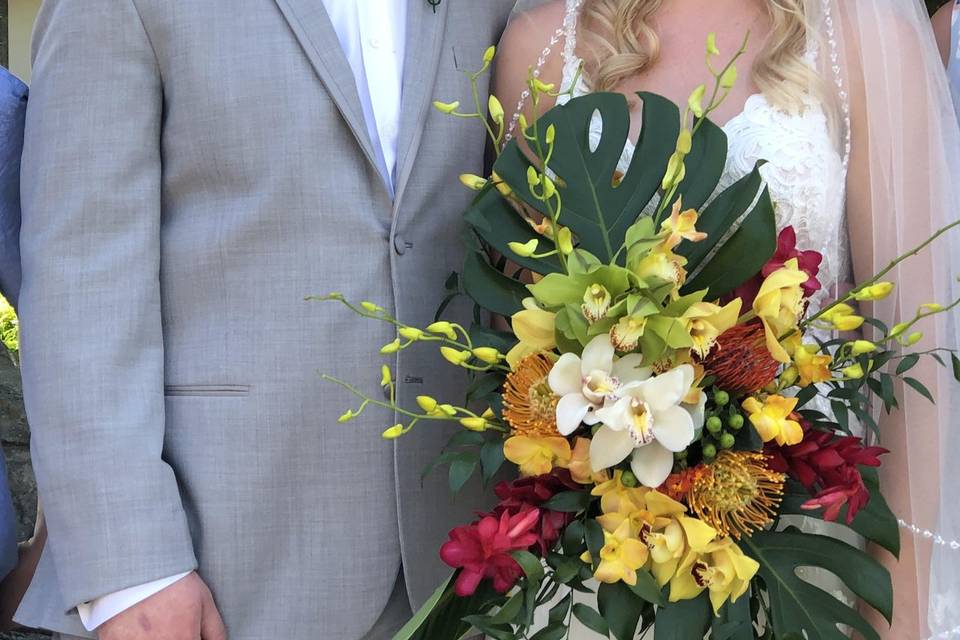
(532, 40)
(529, 30)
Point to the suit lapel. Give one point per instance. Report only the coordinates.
(425, 30)
(311, 25)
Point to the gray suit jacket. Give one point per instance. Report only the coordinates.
(192, 170)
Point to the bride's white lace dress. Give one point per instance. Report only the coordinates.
(805, 173)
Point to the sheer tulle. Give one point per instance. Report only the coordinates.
(881, 80)
(902, 187)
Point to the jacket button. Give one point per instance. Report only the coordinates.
(400, 245)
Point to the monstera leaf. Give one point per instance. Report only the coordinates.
(599, 205)
(803, 610)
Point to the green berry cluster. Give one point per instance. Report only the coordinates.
(723, 421)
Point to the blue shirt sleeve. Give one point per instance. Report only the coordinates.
(13, 109)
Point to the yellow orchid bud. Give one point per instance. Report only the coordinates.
(372, 308)
(853, 372)
(522, 121)
(391, 347)
(386, 377)
(334, 295)
(444, 328)
(565, 241)
(448, 409)
(729, 77)
(474, 424)
(913, 338)
(428, 404)
(446, 107)
(685, 141)
(549, 188)
(393, 432)
(411, 333)
(543, 87)
(347, 417)
(837, 311)
(789, 376)
(473, 182)
(848, 323)
(675, 172)
(695, 101)
(932, 307)
(551, 134)
(899, 328)
(454, 356)
(533, 176)
(877, 291)
(860, 347)
(712, 49)
(495, 109)
(488, 414)
(488, 355)
(489, 54)
(524, 250)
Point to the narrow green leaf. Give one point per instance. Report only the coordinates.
(559, 611)
(461, 469)
(491, 459)
(907, 363)
(684, 620)
(920, 388)
(568, 502)
(955, 361)
(554, 631)
(620, 609)
(591, 619)
(595, 540)
(647, 588)
(532, 565)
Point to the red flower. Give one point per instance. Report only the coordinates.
(483, 550)
(808, 262)
(827, 466)
(531, 492)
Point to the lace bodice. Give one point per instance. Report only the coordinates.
(806, 175)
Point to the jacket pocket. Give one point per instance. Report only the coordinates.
(207, 390)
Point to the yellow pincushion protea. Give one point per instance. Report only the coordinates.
(738, 493)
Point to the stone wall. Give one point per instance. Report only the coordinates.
(15, 437)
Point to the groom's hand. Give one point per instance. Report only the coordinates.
(183, 611)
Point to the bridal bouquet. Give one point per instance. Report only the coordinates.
(664, 397)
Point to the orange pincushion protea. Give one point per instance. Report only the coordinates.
(529, 404)
(737, 494)
(740, 361)
(678, 485)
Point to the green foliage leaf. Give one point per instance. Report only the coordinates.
(598, 212)
(684, 620)
(804, 609)
(920, 388)
(721, 215)
(647, 588)
(462, 468)
(907, 363)
(490, 288)
(532, 565)
(591, 619)
(491, 459)
(734, 621)
(620, 608)
(497, 222)
(743, 255)
(568, 502)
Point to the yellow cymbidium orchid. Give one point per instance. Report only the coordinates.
(621, 556)
(674, 535)
(613, 492)
(707, 321)
(812, 366)
(663, 265)
(678, 227)
(537, 456)
(580, 468)
(721, 567)
(535, 330)
(779, 305)
(771, 418)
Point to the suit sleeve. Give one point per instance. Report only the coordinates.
(92, 343)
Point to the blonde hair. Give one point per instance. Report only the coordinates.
(622, 42)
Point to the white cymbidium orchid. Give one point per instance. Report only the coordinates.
(586, 384)
(649, 420)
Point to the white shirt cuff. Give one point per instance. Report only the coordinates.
(95, 613)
